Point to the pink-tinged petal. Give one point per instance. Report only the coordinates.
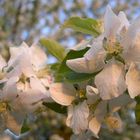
(16, 53)
(124, 21)
(119, 102)
(83, 65)
(92, 94)
(14, 121)
(96, 48)
(111, 23)
(111, 80)
(82, 45)
(10, 90)
(39, 58)
(133, 80)
(26, 67)
(131, 43)
(70, 114)
(2, 62)
(62, 93)
(95, 126)
(28, 101)
(101, 111)
(36, 84)
(79, 117)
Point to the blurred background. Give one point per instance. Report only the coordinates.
(29, 20)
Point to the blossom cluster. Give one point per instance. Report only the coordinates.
(26, 81)
(115, 56)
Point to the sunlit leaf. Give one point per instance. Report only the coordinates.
(54, 48)
(84, 25)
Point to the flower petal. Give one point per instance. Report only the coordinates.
(96, 47)
(92, 94)
(62, 93)
(119, 102)
(14, 120)
(2, 62)
(28, 101)
(79, 117)
(111, 23)
(101, 111)
(83, 65)
(10, 90)
(110, 81)
(36, 84)
(124, 21)
(82, 45)
(95, 126)
(39, 58)
(131, 43)
(133, 80)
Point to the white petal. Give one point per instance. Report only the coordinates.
(119, 102)
(39, 57)
(83, 65)
(101, 111)
(82, 45)
(133, 80)
(79, 117)
(110, 81)
(14, 121)
(26, 66)
(62, 93)
(95, 126)
(29, 101)
(97, 47)
(36, 84)
(92, 94)
(2, 62)
(16, 53)
(10, 90)
(124, 20)
(131, 42)
(111, 23)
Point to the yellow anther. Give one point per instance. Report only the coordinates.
(113, 122)
(3, 107)
(81, 93)
(42, 72)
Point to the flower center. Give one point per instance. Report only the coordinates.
(3, 106)
(113, 122)
(112, 47)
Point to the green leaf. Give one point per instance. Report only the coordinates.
(56, 107)
(54, 48)
(137, 110)
(74, 77)
(84, 25)
(25, 127)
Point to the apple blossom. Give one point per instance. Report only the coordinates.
(24, 84)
